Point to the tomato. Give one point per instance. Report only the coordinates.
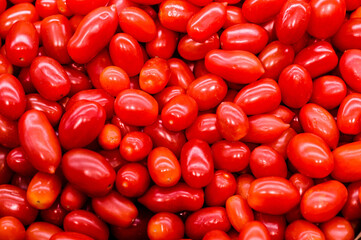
(76, 121)
(352, 209)
(245, 36)
(204, 128)
(234, 16)
(167, 94)
(180, 73)
(326, 17)
(177, 198)
(301, 182)
(338, 228)
(96, 66)
(349, 69)
(276, 225)
(5, 171)
(132, 180)
(175, 14)
(267, 162)
(254, 230)
(109, 137)
(207, 21)
(115, 209)
(71, 199)
(165, 226)
(318, 58)
(41, 231)
(205, 220)
(243, 184)
(347, 36)
(18, 12)
(114, 80)
(258, 11)
(347, 161)
(123, 44)
(272, 195)
(93, 34)
(234, 65)
(216, 234)
(3, 5)
(222, 186)
(83, 7)
(46, 8)
(193, 50)
(295, 78)
(87, 223)
(5, 65)
(154, 75)
(264, 128)
(13, 203)
(302, 230)
(322, 202)
(238, 212)
(55, 34)
(135, 146)
(9, 136)
(12, 97)
(70, 236)
(348, 115)
(280, 144)
(11, 228)
(54, 215)
(284, 113)
(49, 78)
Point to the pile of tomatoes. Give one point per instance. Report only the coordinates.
(180, 119)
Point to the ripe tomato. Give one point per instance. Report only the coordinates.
(230, 156)
(204, 128)
(132, 180)
(70, 236)
(347, 36)
(12, 97)
(180, 73)
(338, 228)
(41, 231)
(276, 225)
(163, 226)
(222, 186)
(54, 215)
(348, 115)
(352, 209)
(109, 137)
(243, 184)
(154, 75)
(303, 230)
(11, 228)
(216, 234)
(135, 146)
(347, 162)
(254, 230)
(72, 199)
(349, 68)
(301, 182)
(238, 212)
(259, 11)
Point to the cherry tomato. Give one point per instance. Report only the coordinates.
(338, 228)
(11, 228)
(180, 74)
(347, 36)
(132, 180)
(167, 94)
(258, 11)
(276, 225)
(302, 230)
(41, 231)
(254, 230)
(238, 212)
(5, 65)
(204, 128)
(301, 182)
(234, 16)
(280, 144)
(352, 209)
(350, 71)
(154, 75)
(243, 184)
(348, 115)
(96, 66)
(72, 199)
(46, 8)
(222, 186)
(5, 171)
(163, 226)
(230, 156)
(216, 234)
(83, 7)
(12, 97)
(266, 162)
(135, 146)
(54, 215)
(114, 80)
(70, 236)
(347, 161)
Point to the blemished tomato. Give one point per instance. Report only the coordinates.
(238, 212)
(132, 180)
(163, 226)
(254, 230)
(154, 75)
(41, 231)
(302, 230)
(338, 228)
(11, 228)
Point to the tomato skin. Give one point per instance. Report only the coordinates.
(5, 65)
(283, 113)
(136, 107)
(175, 14)
(18, 12)
(222, 62)
(295, 78)
(41, 231)
(109, 137)
(347, 36)
(167, 94)
(135, 146)
(349, 68)
(46, 8)
(292, 21)
(77, 120)
(207, 21)
(328, 91)
(96, 66)
(204, 128)
(193, 50)
(205, 220)
(9, 136)
(93, 34)
(70, 236)
(72, 199)
(78, 80)
(177, 198)
(264, 128)
(348, 115)
(49, 78)
(230, 156)
(55, 34)
(197, 163)
(301, 182)
(5, 172)
(302, 230)
(347, 162)
(222, 186)
(272, 195)
(238, 212)
(44, 152)
(234, 16)
(11, 228)
(257, 11)
(132, 180)
(276, 225)
(86, 223)
(208, 91)
(338, 228)
(318, 58)
(352, 209)
(216, 234)
(254, 230)
(54, 215)
(123, 44)
(137, 23)
(115, 209)
(266, 162)
(243, 184)
(280, 144)
(163, 226)
(326, 17)
(245, 36)
(83, 7)
(154, 75)
(88, 172)
(180, 73)
(13, 203)
(12, 95)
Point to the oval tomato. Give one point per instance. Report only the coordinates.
(11, 228)
(238, 211)
(41, 231)
(72, 199)
(347, 162)
(192, 50)
(222, 186)
(132, 180)
(12, 97)
(204, 128)
(348, 115)
(165, 226)
(338, 228)
(301, 229)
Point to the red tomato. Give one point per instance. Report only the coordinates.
(208, 91)
(9, 136)
(234, 16)
(41, 231)
(352, 209)
(77, 120)
(205, 220)
(272, 195)
(243, 184)
(83, 7)
(70, 236)
(154, 75)
(135, 107)
(338, 228)
(46, 8)
(72, 199)
(348, 35)
(5, 171)
(5, 65)
(54, 215)
(88, 171)
(164, 226)
(49, 78)
(259, 11)
(132, 180)
(109, 137)
(280, 144)
(295, 78)
(87, 223)
(78, 80)
(301, 182)
(192, 50)
(245, 36)
(230, 156)
(115, 209)
(234, 65)
(203, 24)
(267, 162)
(197, 163)
(13, 203)
(238, 212)
(222, 186)
(347, 161)
(350, 70)
(326, 17)
(276, 225)
(303, 230)
(96, 66)
(167, 94)
(135, 146)
(204, 128)
(180, 74)
(11, 228)
(348, 115)
(177, 198)
(12, 97)
(216, 235)
(292, 21)
(93, 33)
(254, 230)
